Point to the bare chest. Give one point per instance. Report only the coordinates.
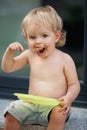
(47, 68)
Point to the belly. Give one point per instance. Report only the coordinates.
(52, 90)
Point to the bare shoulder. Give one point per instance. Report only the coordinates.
(69, 64)
(67, 58)
(26, 53)
(64, 55)
(23, 56)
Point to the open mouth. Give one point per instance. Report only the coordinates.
(42, 50)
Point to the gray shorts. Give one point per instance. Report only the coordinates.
(29, 113)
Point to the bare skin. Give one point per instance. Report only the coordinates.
(53, 74)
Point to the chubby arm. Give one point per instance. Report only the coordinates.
(72, 79)
(73, 86)
(11, 63)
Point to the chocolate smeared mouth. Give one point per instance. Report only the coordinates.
(38, 50)
(42, 50)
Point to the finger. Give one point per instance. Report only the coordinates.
(16, 47)
(62, 103)
(67, 110)
(62, 109)
(12, 47)
(21, 48)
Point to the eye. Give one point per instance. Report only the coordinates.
(45, 35)
(32, 37)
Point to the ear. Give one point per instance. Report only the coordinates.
(57, 36)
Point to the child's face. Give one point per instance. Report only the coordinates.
(42, 40)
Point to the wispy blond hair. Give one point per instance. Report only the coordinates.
(44, 16)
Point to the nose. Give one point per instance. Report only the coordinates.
(38, 42)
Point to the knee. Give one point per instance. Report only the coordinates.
(57, 117)
(10, 118)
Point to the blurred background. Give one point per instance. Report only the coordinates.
(72, 12)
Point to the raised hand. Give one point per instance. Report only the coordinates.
(16, 46)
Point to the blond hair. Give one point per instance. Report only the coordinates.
(44, 16)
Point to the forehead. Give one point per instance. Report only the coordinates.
(38, 28)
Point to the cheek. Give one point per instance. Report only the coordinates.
(30, 45)
(51, 42)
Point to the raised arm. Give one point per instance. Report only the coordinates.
(11, 63)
